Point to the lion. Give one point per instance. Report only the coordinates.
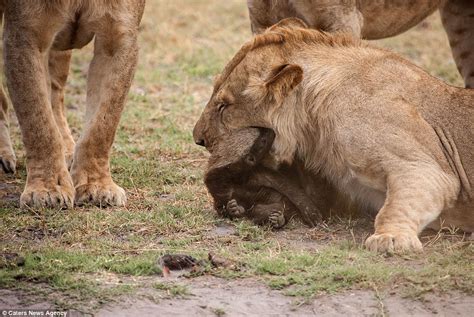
(242, 187)
(38, 38)
(379, 128)
(7, 155)
(373, 20)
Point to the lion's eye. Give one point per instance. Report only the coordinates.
(221, 106)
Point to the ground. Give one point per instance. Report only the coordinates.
(105, 261)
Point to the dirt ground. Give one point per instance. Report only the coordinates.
(105, 261)
(210, 296)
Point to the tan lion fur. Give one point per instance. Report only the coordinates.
(7, 156)
(38, 38)
(377, 127)
(371, 20)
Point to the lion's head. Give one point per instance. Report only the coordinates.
(254, 82)
(275, 81)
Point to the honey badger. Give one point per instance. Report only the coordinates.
(242, 187)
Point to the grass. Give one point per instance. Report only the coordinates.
(95, 255)
(173, 290)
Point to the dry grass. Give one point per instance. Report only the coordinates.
(183, 45)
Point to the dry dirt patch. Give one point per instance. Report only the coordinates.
(209, 296)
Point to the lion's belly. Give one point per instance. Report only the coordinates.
(368, 191)
(81, 19)
(73, 35)
(461, 216)
(391, 17)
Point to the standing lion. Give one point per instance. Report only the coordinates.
(376, 19)
(37, 42)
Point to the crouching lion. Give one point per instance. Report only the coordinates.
(242, 187)
(376, 126)
(38, 38)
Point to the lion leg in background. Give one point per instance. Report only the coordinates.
(48, 181)
(109, 79)
(458, 20)
(7, 156)
(58, 71)
(415, 198)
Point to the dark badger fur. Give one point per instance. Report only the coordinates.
(242, 187)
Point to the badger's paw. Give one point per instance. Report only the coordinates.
(234, 210)
(277, 219)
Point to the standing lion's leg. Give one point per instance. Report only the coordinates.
(415, 198)
(109, 79)
(58, 71)
(458, 20)
(25, 47)
(7, 156)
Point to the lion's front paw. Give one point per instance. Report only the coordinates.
(399, 242)
(234, 210)
(277, 219)
(51, 193)
(102, 194)
(8, 161)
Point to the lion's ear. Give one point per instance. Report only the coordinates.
(283, 79)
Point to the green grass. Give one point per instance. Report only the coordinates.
(58, 267)
(95, 255)
(342, 266)
(173, 290)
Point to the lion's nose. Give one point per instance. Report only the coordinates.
(200, 142)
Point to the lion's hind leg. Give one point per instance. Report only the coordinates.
(7, 156)
(58, 72)
(415, 197)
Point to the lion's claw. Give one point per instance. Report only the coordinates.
(100, 194)
(394, 243)
(8, 163)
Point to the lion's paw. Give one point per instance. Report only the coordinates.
(102, 194)
(7, 156)
(234, 210)
(39, 193)
(277, 219)
(394, 243)
(8, 161)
